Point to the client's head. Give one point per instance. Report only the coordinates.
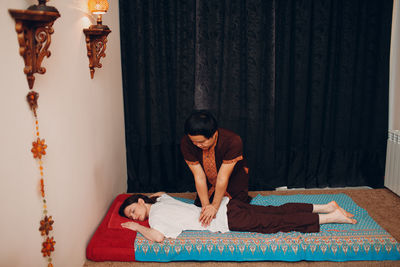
(134, 207)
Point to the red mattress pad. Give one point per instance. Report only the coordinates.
(111, 242)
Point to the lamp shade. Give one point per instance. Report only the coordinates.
(98, 6)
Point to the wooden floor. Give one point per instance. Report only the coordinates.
(382, 205)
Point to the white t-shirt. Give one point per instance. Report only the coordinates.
(171, 216)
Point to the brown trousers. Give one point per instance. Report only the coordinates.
(271, 219)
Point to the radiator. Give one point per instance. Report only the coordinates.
(392, 170)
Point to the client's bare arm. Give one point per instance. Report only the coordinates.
(149, 233)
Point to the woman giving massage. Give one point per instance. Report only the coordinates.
(168, 217)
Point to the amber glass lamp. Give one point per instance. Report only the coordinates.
(98, 7)
(96, 35)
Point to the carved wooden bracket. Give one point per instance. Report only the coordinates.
(34, 28)
(96, 40)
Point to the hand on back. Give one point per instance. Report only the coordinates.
(207, 214)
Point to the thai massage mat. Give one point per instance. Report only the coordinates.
(335, 242)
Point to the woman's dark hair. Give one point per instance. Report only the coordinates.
(134, 199)
(201, 122)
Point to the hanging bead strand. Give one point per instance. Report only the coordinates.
(39, 150)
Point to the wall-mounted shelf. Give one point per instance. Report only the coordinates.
(96, 40)
(34, 28)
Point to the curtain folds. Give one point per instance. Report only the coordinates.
(157, 42)
(304, 83)
(332, 92)
(235, 75)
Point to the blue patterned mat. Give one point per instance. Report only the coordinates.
(365, 240)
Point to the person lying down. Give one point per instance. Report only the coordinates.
(168, 217)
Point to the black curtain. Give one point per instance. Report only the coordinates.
(235, 76)
(332, 84)
(157, 44)
(305, 84)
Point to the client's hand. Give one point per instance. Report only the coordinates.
(207, 214)
(130, 225)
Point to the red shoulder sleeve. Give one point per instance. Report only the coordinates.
(234, 152)
(188, 151)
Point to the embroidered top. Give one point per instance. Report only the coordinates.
(209, 166)
(228, 148)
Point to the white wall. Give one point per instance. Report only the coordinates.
(394, 95)
(82, 122)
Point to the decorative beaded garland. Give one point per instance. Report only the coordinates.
(39, 150)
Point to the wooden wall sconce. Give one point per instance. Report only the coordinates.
(96, 35)
(34, 27)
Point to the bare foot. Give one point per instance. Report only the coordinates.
(337, 207)
(335, 217)
(339, 217)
